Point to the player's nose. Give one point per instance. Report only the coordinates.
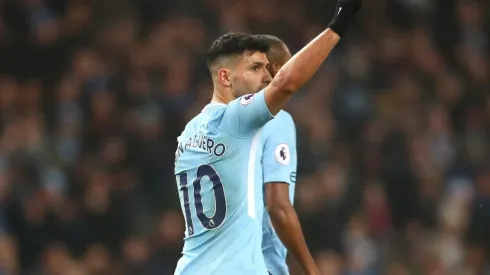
(267, 78)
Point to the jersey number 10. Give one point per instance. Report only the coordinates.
(219, 199)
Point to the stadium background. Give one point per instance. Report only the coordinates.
(392, 133)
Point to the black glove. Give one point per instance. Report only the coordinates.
(344, 14)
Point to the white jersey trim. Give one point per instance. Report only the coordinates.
(251, 175)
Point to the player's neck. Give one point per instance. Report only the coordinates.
(222, 96)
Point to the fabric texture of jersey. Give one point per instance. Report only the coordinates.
(279, 165)
(219, 178)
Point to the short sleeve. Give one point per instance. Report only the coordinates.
(279, 154)
(245, 115)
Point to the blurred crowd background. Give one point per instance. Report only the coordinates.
(394, 171)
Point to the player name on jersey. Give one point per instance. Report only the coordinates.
(201, 141)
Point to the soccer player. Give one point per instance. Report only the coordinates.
(217, 161)
(279, 162)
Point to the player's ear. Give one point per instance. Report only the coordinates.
(275, 68)
(224, 76)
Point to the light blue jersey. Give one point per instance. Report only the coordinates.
(219, 177)
(279, 165)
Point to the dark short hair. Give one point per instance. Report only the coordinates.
(272, 40)
(279, 52)
(235, 43)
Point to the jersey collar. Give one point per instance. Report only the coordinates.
(212, 104)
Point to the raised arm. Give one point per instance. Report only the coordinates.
(304, 64)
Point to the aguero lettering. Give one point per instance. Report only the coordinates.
(201, 141)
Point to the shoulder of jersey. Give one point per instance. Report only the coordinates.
(280, 121)
(282, 118)
(285, 115)
(209, 117)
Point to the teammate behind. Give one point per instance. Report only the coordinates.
(279, 176)
(217, 162)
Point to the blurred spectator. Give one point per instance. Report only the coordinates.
(393, 164)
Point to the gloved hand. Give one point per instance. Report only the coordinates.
(345, 12)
